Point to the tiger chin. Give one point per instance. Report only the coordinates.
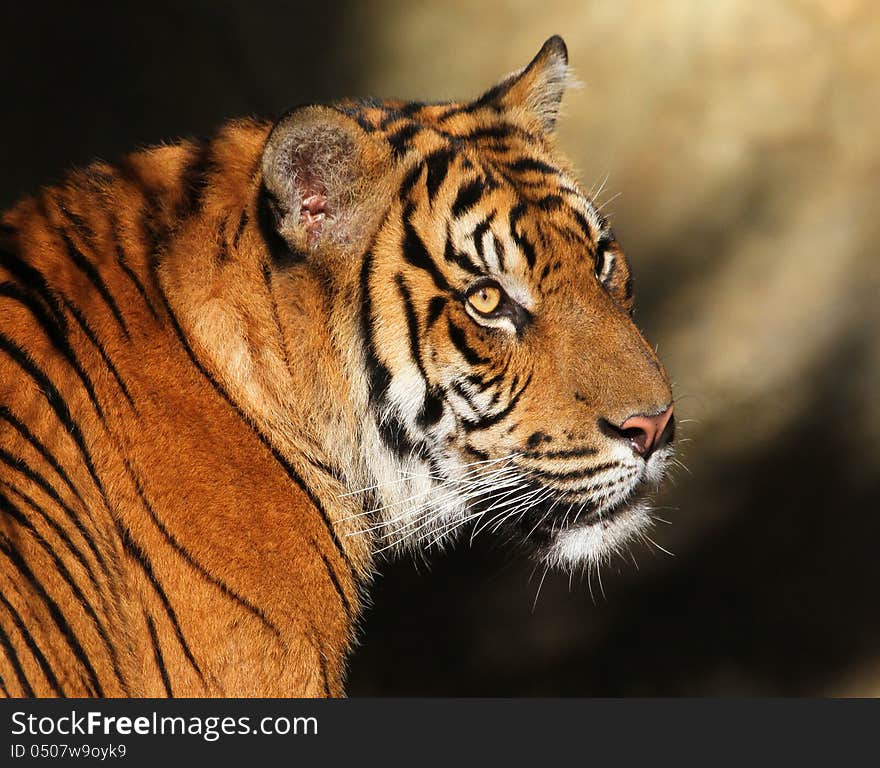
(234, 373)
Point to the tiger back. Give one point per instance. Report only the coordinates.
(235, 372)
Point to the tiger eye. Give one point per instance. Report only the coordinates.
(485, 299)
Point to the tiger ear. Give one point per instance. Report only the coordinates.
(536, 89)
(322, 178)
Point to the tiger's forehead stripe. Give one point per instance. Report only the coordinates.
(488, 152)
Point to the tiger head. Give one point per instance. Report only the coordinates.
(482, 310)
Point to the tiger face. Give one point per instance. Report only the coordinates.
(501, 382)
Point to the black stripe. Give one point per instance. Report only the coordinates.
(379, 375)
(486, 101)
(540, 227)
(409, 181)
(31, 474)
(93, 338)
(194, 179)
(415, 252)
(493, 419)
(435, 306)
(8, 416)
(400, 139)
(153, 229)
(523, 242)
(16, 665)
(91, 272)
(132, 275)
(55, 401)
(335, 580)
(568, 453)
(397, 113)
(481, 455)
(268, 219)
(583, 224)
(438, 166)
(412, 323)
(267, 280)
(549, 203)
(80, 226)
(568, 233)
(322, 661)
(33, 279)
(54, 611)
(157, 655)
(463, 393)
(65, 574)
(527, 164)
(56, 336)
(143, 561)
(395, 436)
(501, 252)
(432, 406)
(242, 223)
(458, 338)
(59, 531)
(291, 472)
(432, 409)
(34, 648)
(187, 555)
(576, 474)
(481, 229)
(468, 196)
(355, 114)
(455, 257)
(513, 217)
(484, 384)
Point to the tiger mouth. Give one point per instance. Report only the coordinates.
(559, 510)
(544, 531)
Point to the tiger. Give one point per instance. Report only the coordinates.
(240, 372)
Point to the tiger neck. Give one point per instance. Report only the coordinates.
(275, 359)
(293, 359)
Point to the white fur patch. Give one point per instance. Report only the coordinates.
(591, 544)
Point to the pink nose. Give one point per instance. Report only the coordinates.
(648, 433)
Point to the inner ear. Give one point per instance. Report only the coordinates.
(322, 174)
(314, 209)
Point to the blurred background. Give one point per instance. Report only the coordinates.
(737, 149)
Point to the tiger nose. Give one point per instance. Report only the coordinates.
(647, 434)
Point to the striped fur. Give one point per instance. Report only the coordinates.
(219, 405)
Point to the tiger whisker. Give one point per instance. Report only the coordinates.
(425, 492)
(427, 475)
(454, 524)
(430, 505)
(540, 584)
(430, 516)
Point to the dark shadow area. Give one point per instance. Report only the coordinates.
(96, 80)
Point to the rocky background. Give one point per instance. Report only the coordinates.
(736, 145)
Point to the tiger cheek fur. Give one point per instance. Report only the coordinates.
(235, 372)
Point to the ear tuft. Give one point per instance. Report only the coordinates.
(537, 89)
(322, 173)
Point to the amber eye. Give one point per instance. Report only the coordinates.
(485, 299)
